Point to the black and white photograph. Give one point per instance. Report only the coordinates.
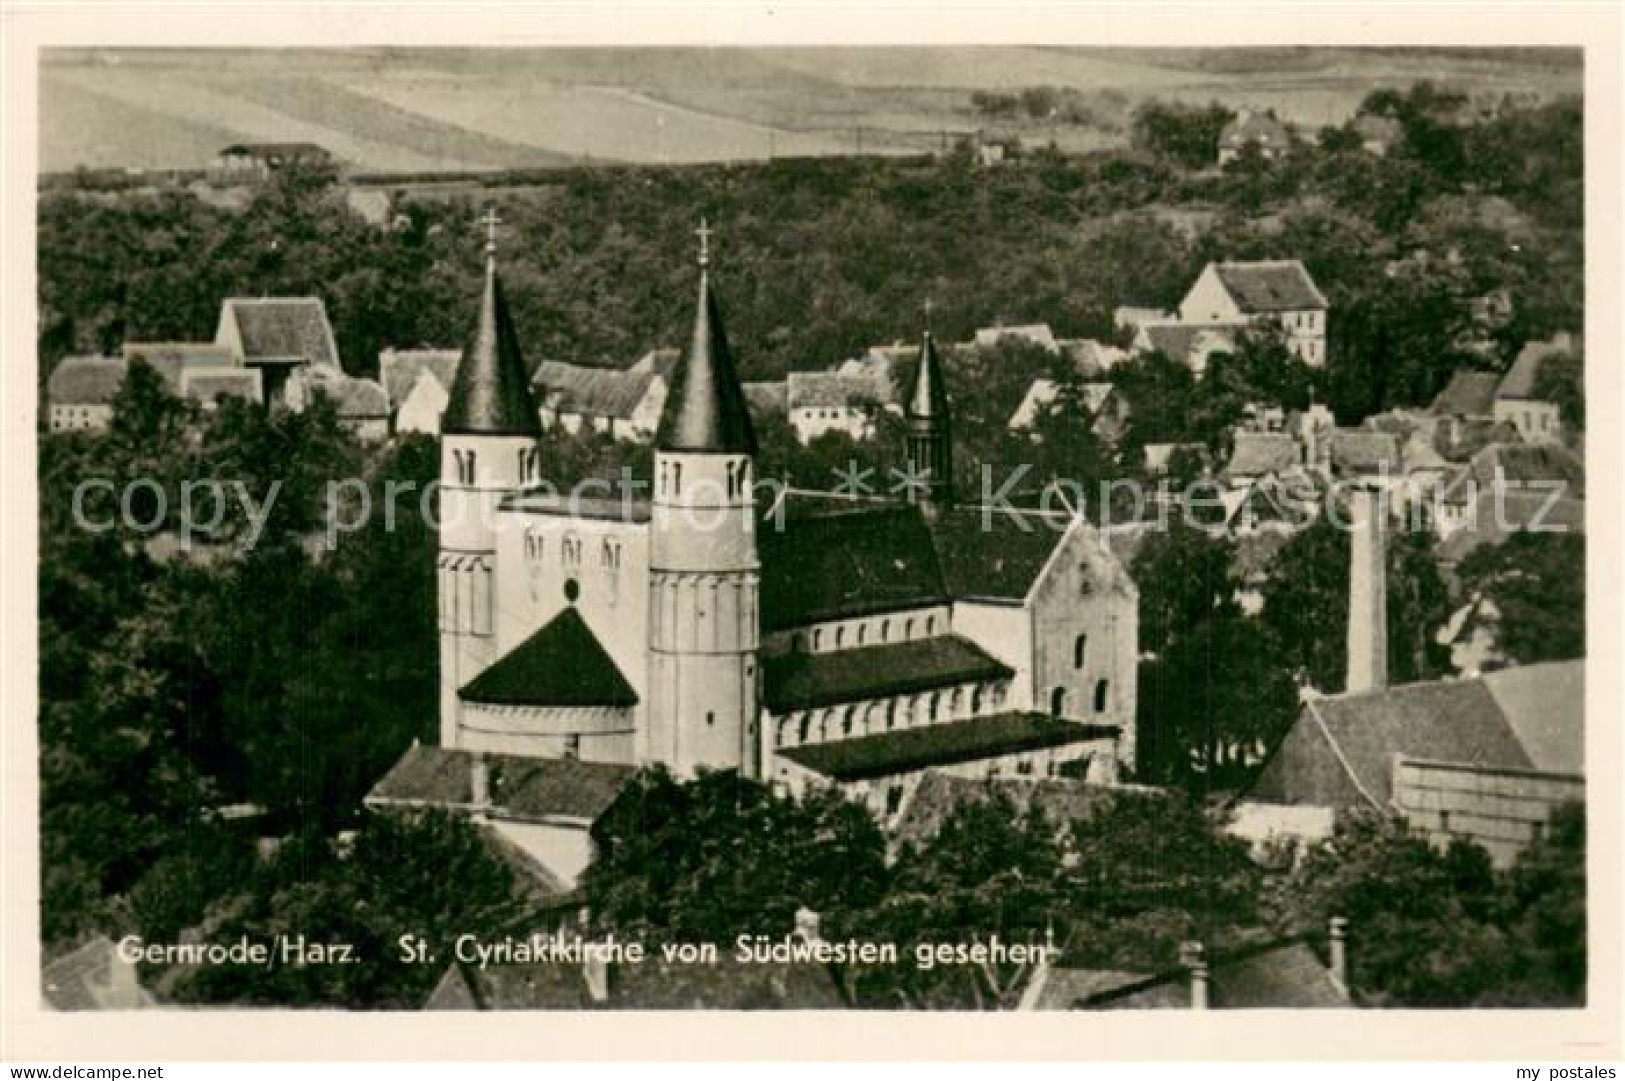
(989, 528)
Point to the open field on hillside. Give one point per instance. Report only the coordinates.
(445, 109)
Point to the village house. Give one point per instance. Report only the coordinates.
(416, 383)
(1478, 402)
(277, 336)
(820, 402)
(1107, 408)
(1519, 399)
(621, 404)
(1270, 292)
(1192, 346)
(1257, 130)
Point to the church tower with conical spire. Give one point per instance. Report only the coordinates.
(703, 620)
(930, 441)
(489, 447)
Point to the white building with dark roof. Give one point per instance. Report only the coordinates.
(818, 640)
(1278, 292)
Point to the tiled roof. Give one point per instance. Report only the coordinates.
(662, 362)
(1258, 453)
(1274, 286)
(939, 795)
(1520, 380)
(844, 563)
(282, 328)
(1468, 394)
(768, 398)
(85, 380)
(1283, 975)
(169, 359)
(809, 680)
(997, 555)
(1545, 705)
(89, 978)
(563, 664)
(1522, 463)
(212, 384)
(400, 368)
(1356, 451)
(1343, 746)
(520, 787)
(1178, 341)
(1278, 975)
(909, 749)
(1498, 513)
(358, 397)
(595, 392)
(829, 390)
(834, 559)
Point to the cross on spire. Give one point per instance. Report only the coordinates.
(704, 233)
(927, 308)
(490, 221)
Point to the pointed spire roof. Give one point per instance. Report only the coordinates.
(928, 400)
(707, 413)
(491, 393)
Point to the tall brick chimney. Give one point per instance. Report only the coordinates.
(1368, 592)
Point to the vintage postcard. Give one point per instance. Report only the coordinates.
(998, 532)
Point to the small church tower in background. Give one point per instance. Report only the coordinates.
(930, 442)
(489, 447)
(703, 622)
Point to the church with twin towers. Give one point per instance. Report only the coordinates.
(807, 639)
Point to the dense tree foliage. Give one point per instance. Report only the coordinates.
(1444, 928)
(723, 856)
(1306, 604)
(1535, 583)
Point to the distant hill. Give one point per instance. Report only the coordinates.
(453, 109)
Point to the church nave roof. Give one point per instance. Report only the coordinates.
(810, 680)
(909, 749)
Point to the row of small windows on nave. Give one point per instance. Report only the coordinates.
(861, 634)
(867, 718)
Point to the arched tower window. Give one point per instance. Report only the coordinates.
(1057, 701)
(1080, 649)
(885, 629)
(1102, 693)
(863, 631)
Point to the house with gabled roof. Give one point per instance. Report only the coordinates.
(416, 385)
(1520, 399)
(1272, 291)
(622, 404)
(277, 336)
